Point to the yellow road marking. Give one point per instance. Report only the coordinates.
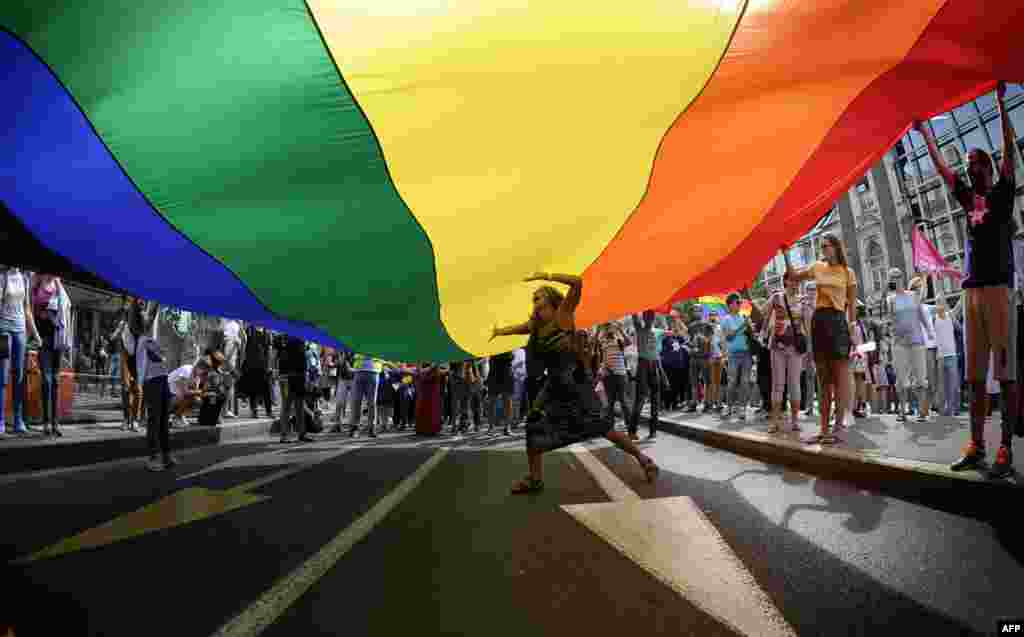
(177, 509)
(674, 541)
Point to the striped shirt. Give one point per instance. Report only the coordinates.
(614, 359)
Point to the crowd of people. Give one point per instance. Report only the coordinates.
(810, 338)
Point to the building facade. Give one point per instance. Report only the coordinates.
(875, 217)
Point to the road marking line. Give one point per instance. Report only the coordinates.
(286, 591)
(675, 542)
(179, 508)
(616, 489)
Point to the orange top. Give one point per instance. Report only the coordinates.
(832, 282)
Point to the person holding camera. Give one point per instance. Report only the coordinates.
(787, 343)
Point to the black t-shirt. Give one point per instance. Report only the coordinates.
(292, 359)
(673, 352)
(990, 231)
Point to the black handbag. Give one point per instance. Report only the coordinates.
(799, 338)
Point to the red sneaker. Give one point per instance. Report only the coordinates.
(1004, 463)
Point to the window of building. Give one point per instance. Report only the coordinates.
(907, 171)
(948, 243)
(952, 154)
(915, 138)
(965, 113)
(995, 133)
(1017, 119)
(876, 264)
(1014, 89)
(976, 139)
(926, 168)
(933, 203)
(950, 199)
(941, 124)
(987, 102)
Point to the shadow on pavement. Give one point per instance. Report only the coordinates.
(865, 508)
(817, 591)
(938, 429)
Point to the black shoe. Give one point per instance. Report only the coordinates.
(859, 414)
(1003, 467)
(652, 436)
(305, 438)
(1019, 428)
(372, 434)
(974, 457)
(353, 431)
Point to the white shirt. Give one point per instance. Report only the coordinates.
(519, 364)
(944, 336)
(127, 339)
(178, 380)
(231, 329)
(929, 334)
(12, 314)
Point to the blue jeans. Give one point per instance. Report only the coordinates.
(14, 366)
(951, 384)
(364, 387)
(740, 364)
(49, 365)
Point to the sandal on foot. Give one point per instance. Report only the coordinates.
(527, 485)
(651, 469)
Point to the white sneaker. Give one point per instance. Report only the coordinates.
(230, 415)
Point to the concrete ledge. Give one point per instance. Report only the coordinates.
(893, 475)
(62, 453)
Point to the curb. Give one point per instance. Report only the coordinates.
(41, 457)
(897, 475)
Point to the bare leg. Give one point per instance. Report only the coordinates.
(775, 415)
(841, 372)
(624, 442)
(826, 407)
(536, 462)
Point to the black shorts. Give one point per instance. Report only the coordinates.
(830, 334)
(500, 379)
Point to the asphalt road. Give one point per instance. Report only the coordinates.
(456, 555)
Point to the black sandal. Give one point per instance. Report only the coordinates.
(527, 485)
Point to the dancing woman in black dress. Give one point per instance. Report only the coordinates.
(566, 409)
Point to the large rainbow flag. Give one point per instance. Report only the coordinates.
(384, 174)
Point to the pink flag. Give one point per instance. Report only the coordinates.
(928, 259)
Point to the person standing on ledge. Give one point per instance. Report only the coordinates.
(831, 329)
(566, 409)
(990, 309)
